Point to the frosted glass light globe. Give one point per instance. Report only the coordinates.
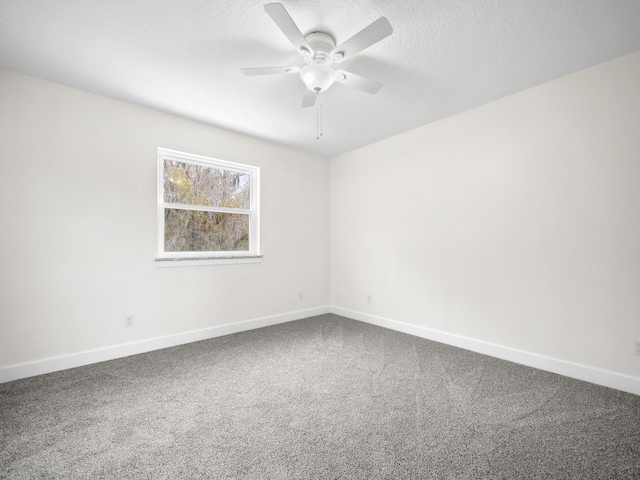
(317, 77)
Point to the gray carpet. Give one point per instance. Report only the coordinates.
(325, 397)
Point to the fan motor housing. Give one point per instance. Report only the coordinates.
(322, 44)
(317, 75)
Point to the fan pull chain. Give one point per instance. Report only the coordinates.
(319, 122)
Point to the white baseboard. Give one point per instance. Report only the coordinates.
(48, 365)
(605, 378)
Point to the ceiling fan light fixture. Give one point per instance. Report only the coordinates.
(319, 52)
(318, 77)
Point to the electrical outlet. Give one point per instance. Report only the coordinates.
(300, 296)
(128, 321)
(636, 347)
(368, 298)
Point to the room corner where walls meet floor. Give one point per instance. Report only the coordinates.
(580, 372)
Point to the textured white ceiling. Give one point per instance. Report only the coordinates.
(183, 57)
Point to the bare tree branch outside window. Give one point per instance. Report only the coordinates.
(190, 228)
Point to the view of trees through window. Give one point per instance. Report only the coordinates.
(208, 208)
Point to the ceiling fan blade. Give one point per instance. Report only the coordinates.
(366, 37)
(283, 20)
(309, 99)
(269, 70)
(356, 81)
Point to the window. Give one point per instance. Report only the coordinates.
(207, 210)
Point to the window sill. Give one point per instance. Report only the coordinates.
(197, 261)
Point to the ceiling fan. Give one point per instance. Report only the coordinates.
(319, 51)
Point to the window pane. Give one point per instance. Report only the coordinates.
(195, 231)
(197, 185)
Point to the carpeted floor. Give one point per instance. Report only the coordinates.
(325, 397)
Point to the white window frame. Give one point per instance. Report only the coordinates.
(253, 255)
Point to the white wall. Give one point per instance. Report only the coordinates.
(78, 221)
(516, 223)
